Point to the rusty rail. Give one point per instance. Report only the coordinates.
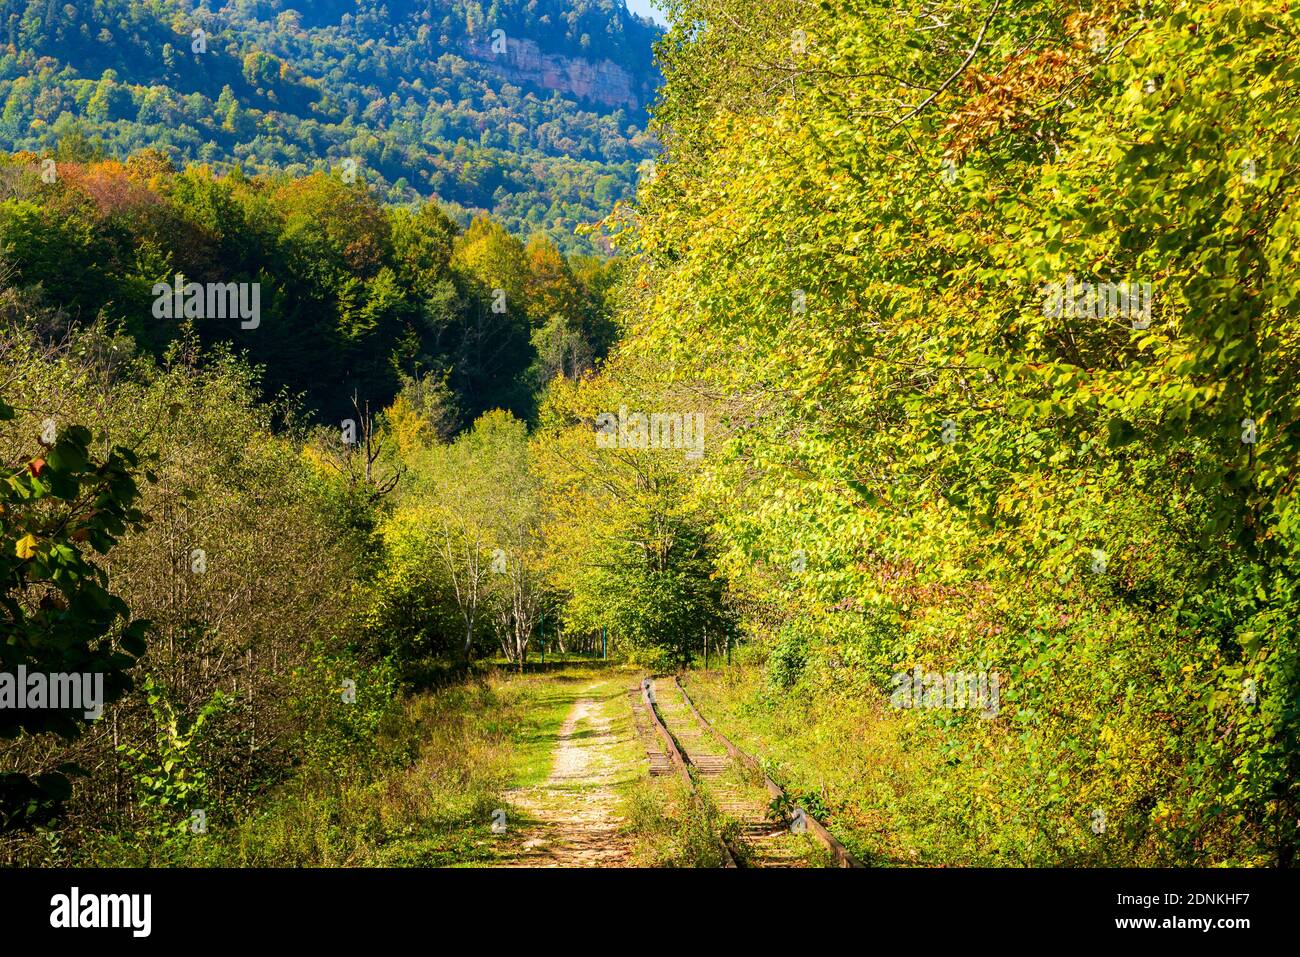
(818, 830)
(679, 760)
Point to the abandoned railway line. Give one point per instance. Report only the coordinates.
(755, 830)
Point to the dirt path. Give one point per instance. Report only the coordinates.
(574, 817)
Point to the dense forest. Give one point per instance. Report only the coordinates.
(414, 95)
(954, 339)
(356, 300)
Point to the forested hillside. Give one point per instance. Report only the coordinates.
(355, 299)
(542, 124)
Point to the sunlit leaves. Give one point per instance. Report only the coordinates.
(941, 445)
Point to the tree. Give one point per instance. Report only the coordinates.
(626, 542)
(357, 454)
(472, 493)
(58, 616)
(550, 289)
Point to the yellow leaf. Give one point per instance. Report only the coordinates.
(25, 547)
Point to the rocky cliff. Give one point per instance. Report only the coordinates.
(598, 81)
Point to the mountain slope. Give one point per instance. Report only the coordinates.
(533, 110)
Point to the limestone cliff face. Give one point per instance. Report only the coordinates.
(599, 81)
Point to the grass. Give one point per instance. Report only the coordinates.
(668, 828)
(469, 742)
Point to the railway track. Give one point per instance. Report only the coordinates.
(694, 750)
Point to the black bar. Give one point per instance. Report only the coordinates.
(966, 906)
